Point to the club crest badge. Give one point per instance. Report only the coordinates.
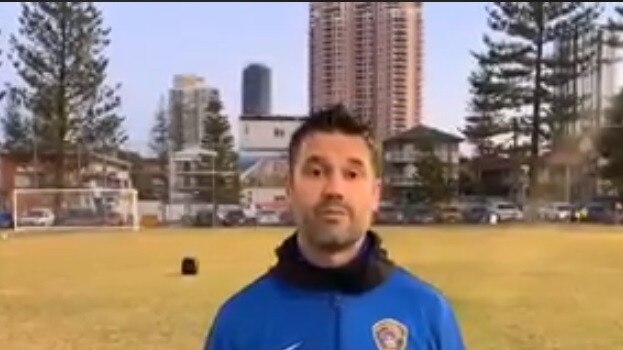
(390, 334)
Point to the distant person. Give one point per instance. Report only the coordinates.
(333, 286)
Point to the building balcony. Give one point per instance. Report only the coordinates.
(400, 157)
(399, 181)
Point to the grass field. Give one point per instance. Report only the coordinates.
(518, 288)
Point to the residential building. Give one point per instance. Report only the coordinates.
(573, 164)
(256, 90)
(188, 99)
(402, 152)
(368, 57)
(20, 170)
(602, 79)
(264, 144)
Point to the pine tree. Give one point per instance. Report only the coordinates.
(160, 144)
(17, 135)
(610, 144)
(2, 93)
(616, 23)
(524, 55)
(218, 138)
(159, 135)
(59, 56)
(431, 182)
(485, 120)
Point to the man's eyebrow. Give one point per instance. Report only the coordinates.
(357, 162)
(314, 159)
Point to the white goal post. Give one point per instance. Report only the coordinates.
(75, 208)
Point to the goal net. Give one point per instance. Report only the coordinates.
(93, 208)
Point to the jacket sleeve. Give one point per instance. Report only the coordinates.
(447, 330)
(219, 337)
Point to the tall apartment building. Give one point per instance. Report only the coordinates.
(256, 90)
(594, 89)
(368, 56)
(597, 86)
(188, 99)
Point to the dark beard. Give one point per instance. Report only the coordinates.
(333, 246)
(317, 235)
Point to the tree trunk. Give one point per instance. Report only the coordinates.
(536, 113)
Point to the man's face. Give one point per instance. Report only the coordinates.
(333, 190)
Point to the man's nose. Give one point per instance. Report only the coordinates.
(334, 186)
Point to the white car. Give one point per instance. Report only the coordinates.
(506, 211)
(37, 217)
(268, 217)
(557, 211)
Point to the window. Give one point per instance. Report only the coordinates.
(22, 180)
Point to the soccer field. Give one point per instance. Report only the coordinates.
(532, 288)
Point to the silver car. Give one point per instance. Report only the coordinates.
(506, 211)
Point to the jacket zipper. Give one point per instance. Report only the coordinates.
(338, 321)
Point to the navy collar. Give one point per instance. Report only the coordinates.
(369, 269)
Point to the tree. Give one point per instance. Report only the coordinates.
(160, 144)
(616, 24)
(15, 127)
(2, 93)
(485, 120)
(610, 145)
(59, 56)
(218, 137)
(159, 136)
(432, 184)
(525, 57)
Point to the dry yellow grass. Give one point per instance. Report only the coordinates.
(513, 288)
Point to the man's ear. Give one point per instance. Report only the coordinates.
(288, 184)
(377, 192)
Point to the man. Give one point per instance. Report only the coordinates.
(333, 286)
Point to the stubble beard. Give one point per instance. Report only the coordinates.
(330, 237)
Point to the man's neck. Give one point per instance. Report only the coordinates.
(326, 259)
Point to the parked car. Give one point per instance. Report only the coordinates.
(449, 214)
(506, 211)
(203, 218)
(389, 215)
(477, 214)
(556, 211)
(268, 217)
(422, 215)
(6, 219)
(37, 217)
(234, 217)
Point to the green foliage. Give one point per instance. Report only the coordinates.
(218, 137)
(527, 71)
(159, 136)
(59, 57)
(610, 144)
(15, 128)
(432, 183)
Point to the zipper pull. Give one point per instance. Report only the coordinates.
(336, 300)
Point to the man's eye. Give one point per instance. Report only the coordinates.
(315, 172)
(352, 175)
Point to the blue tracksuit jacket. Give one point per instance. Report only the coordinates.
(336, 310)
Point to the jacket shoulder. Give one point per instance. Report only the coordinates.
(232, 318)
(412, 285)
(249, 297)
(432, 305)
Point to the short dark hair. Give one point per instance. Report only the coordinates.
(334, 119)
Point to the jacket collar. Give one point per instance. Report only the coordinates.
(369, 269)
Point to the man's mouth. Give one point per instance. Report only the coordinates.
(333, 212)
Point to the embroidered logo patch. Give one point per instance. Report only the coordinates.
(390, 334)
